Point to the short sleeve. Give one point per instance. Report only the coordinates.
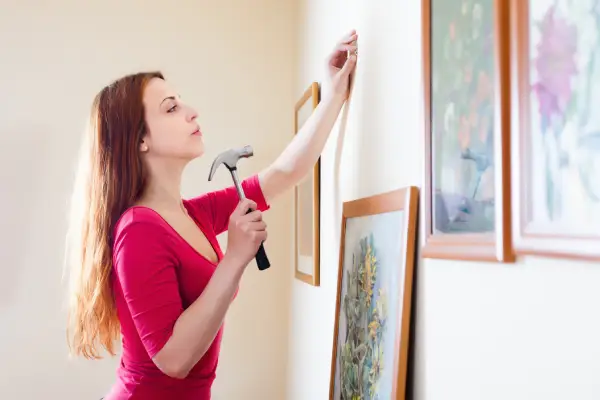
(145, 269)
(217, 206)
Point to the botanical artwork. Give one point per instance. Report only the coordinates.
(462, 116)
(564, 143)
(369, 307)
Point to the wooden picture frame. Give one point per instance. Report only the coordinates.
(467, 218)
(307, 202)
(380, 232)
(554, 182)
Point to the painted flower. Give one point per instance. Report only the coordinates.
(368, 274)
(464, 132)
(376, 369)
(477, 20)
(449, 117)
(382, 304)
(555, 64)
(477, 12)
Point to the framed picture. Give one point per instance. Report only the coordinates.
(307, 202)
(374, 296)
(556, 132)
(466, 198)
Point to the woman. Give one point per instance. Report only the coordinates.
(145, 263)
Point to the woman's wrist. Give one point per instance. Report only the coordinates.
(233, 263)
(330, 93)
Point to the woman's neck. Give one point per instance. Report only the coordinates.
(163, 188)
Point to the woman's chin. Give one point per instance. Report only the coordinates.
(197, 150)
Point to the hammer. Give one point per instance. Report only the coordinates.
(230, 158)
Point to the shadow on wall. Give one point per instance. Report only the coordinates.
(372, 174)
(339, 147)
(362, 122)
(22, 168)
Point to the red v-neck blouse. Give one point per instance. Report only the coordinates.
(157, 275)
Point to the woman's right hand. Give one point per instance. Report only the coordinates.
(245, 232)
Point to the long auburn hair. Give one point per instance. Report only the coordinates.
(109, 179)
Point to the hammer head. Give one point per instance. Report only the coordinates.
(230, 159)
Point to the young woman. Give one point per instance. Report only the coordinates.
(146, 265)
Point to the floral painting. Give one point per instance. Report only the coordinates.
(462, 116)
(369, 307)
(564, 151)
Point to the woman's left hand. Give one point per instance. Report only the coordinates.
(341, 63)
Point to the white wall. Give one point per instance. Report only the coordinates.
(483, 331)
(236, 66)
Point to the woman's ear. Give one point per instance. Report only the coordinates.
(143, 147)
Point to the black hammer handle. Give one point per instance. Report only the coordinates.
(261, 256)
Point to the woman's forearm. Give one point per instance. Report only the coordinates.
(198, 325)
(304, 150)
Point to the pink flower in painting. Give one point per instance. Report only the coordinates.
(555, 64)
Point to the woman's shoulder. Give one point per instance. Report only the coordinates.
(142, 242)
(140, 219)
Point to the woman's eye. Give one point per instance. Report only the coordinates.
(172, 109)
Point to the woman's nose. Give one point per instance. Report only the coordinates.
(192, 114)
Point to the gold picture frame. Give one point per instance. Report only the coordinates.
(372, 326)
(467, 193)
(307, 202)
(555, 199)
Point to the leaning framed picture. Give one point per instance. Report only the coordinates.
(466, 198)
(374, 296)
(556, 132)
(307, 202)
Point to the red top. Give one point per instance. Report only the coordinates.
(156, 276)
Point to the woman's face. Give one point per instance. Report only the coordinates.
(173, 132)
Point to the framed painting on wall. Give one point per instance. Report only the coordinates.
(307, 202)
(556, 132)
(466, 198)
(374, 297)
